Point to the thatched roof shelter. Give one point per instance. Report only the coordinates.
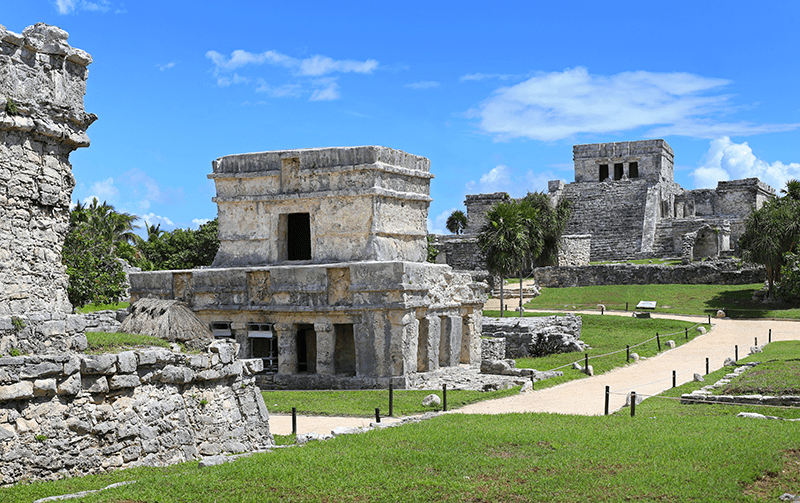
(170, 320)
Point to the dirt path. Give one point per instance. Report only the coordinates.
(587, 396)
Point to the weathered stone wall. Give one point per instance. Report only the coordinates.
(493, 348)
(459, 252)
(45, 80)
(67, 415)
(654, 160)
(528, 336)
(721, 272)
(361, 203)
(42, 332)
(477, 205)
(575, 249)
(104, 321)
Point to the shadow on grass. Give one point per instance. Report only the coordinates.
(739, 304)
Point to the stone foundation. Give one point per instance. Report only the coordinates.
(70, 415)
(43, 332)
(534, 336)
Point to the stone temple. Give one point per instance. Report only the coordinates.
(625, 205)
(321, 270)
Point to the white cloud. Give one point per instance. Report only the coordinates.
(166, 66)
(423, 84)
(485, 76)
(197, 222)
(104, 190)
(537, 181)
(69, 6)
(330, 92)
(153, 219)
(283, 91)
(558, 105)
(438, 225)
(315, 66)
(726, 160)
(225, 81)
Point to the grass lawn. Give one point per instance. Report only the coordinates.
(90, 308)
(736, 300)
(115, 342)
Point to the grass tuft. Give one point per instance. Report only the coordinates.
(114, 342)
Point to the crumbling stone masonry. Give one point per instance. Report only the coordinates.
(42, 120)
(321, 270)
(66, 415)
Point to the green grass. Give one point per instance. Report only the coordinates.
(778, 373)
(114, 342)
(90, 308)
(363, 403)
(736, 300)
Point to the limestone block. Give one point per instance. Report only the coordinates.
(124, 381)
(98, 364)
(179, 375)
(95, 384)
(72, 365)
(70, 386)
(40, 370)
(44, 387)
(126, 362)
(431, 400)
(208, 375)
(670, 344)
(17, 391)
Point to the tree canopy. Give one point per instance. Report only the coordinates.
(456, 222)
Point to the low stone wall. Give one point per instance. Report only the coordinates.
(104, 321)
(719, 272)
(68, 415)
(537, 336)
(493, 348)
(42, 332)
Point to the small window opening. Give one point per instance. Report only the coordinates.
(298, 236)
(603, 172)
(264, 345)
(221, 329)
(633, 170)
(618, 171)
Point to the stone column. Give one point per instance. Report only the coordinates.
(471, 336)
(287, 347)
(428, 346)
(450, 341)
(326, 341)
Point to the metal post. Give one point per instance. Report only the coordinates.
(586, 363)
(533, 382)
(294, 420)
(686, 330)
(658, 339)
(626, 306)
(674, 379)
(756, 342)
(707, 366)
(608, 393)
(377, 415)
(709, 319)
(444, 397)
(628, 352)
(736, 353)
(391, 400)
(603, 310)
(633, 403)
(770, 335)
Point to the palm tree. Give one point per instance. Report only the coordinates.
(505, 241)
(456, 222)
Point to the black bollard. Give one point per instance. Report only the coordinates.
(633, 403)
(294, 420)
(628, 352)
(770, 335)
(658, 340)
(444, 397)
(674, 381)
(756, 341)
(586, 363)
(686, 330)
(608, 393)
(603, 310)
(626, 306)
(391, 400)
(736, 353)
(533, 382)
(709, 319)
(707, 366)
(377, 415)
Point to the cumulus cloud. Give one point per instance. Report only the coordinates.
(557, 105)
(329, 92)
(727, 160)
(282, 91)
(197, 222)
(423, 84)
(166, 66)
(485, 76)
(69, 6)
(438, 225)
(153, 219)
(104, 190)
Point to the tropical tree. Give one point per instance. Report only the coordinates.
(551, 220)
(772, 232)
(505, 240)
(179, 249)
(456, 222)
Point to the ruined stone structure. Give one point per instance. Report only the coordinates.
(626, 205)
(66, 415)
(42, 120)
(321, 270)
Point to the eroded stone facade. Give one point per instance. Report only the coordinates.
(321, 270)
(42, 120)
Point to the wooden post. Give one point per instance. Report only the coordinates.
(444, 397)
(608, 393)
(633, 403)
(391, 399)
(707, 366)
(658, 340)
(674, 379)
(628, 352)
(294, 420)
(377, 415)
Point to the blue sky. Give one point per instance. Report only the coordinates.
(494, 94)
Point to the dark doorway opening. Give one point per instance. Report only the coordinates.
(298, 236)
(603, 172)
(618, 171)
(344, 352)
(306, 349)
(633, 170)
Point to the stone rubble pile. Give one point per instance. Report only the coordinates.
(67, 415)
(536, 336)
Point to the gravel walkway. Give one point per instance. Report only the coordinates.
(587, 396)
